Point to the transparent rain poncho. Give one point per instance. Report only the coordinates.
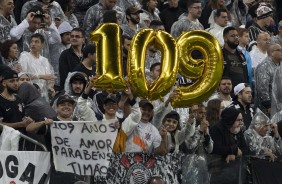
(259, 145)
(276, 100)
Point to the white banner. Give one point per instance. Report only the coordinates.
(20, 167)
(83, 148)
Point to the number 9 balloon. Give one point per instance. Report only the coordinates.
(208, 70)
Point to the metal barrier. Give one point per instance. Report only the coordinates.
(29, 139)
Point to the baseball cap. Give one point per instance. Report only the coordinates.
(239, 88)
(7, 73)
(110, 98)
(65, 98)
(133, 10)
(143, 103)
(64, 27)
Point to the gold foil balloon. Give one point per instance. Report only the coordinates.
(108, 57)
(137, 58)
(208, 70)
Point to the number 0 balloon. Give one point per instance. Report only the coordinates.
(136, 63)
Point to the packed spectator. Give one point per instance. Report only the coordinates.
(48, 66)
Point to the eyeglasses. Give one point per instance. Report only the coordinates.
(76, 36)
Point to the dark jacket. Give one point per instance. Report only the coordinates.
(226, 143)
(236, 78)
(247, 114)
(67, 62)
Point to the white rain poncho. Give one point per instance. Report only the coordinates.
(37, 66)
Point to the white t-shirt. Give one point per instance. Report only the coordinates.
(147, 133)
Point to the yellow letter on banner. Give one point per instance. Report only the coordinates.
(108, 57)
(208, 70)
(137, 58)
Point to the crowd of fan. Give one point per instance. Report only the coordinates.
(48, 64)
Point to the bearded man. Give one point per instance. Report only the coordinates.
(235, 65)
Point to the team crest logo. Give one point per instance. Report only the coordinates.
(137, 172)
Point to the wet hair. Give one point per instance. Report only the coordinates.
(37, 35)
(5, 47)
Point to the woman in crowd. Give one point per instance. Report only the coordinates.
(214, 109)
(10, 54)
(176, 135)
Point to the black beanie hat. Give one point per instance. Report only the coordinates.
(229, 116)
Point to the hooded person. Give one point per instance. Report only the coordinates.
(74, 87)
(33, 102)
(259, 140)
(227, 135)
